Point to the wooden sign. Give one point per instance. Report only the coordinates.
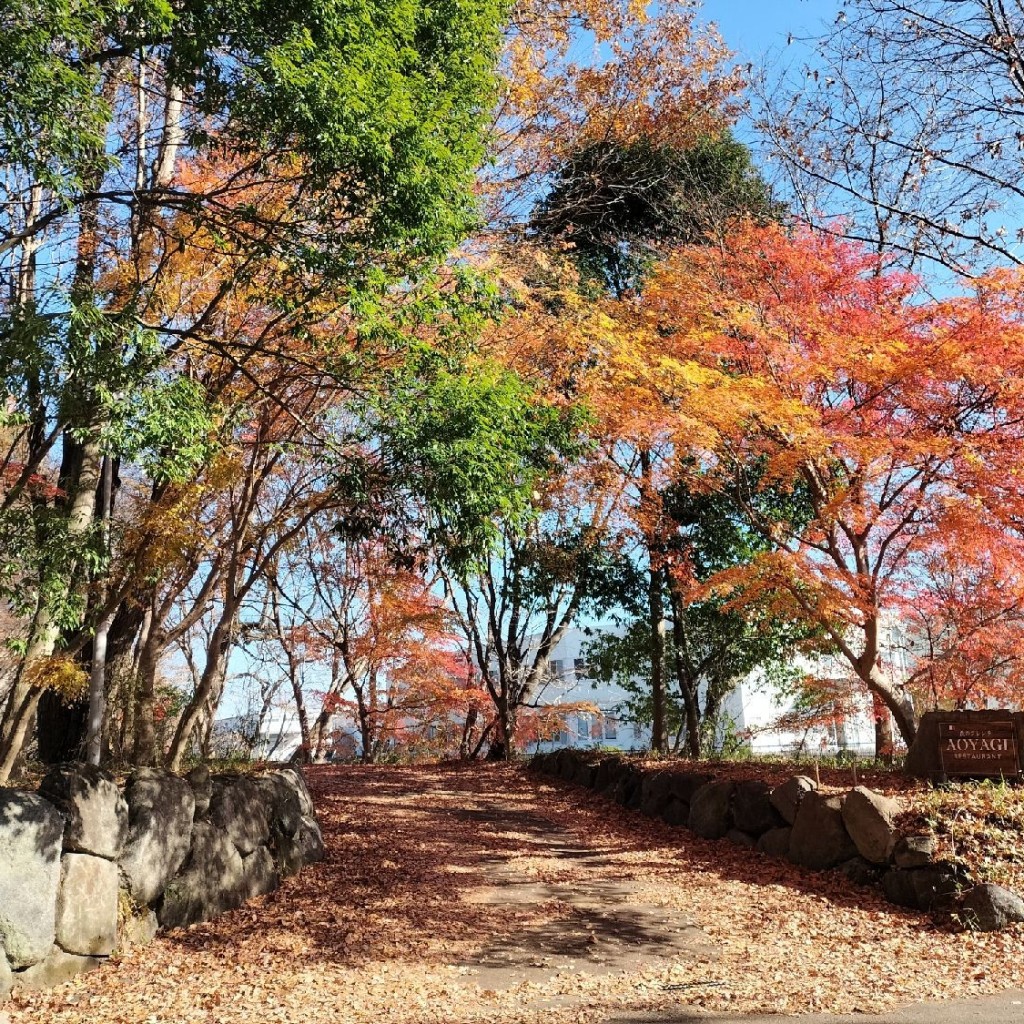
(979, 748)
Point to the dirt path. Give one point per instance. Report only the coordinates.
(592, 926)
(483, 894)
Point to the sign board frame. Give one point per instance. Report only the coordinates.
(972, 747)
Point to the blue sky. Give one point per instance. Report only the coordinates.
(757, 28)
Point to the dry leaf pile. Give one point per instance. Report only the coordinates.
(387, 930)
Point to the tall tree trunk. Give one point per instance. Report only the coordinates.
(210, 684)
(656, 623)
(655, 608)
(304, 754)
(883, 729)
(145, 753)
(23, 703)
(467, 731)
(687, 684)
(98, 669)
(898, 704)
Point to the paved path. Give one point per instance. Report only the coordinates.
(601, 928)
(1003, 1009)
(608, 930)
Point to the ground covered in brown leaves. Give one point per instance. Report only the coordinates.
(391, 927)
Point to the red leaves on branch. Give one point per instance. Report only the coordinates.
(897, 419)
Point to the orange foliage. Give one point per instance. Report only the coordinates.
(406, 678)
(899, 418)
(578, 71)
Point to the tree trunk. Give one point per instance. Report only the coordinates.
(656, 621)
(900, 705)
(655, 610)
(20, 710)
(98, 669)
(883, 730)
(25, 696)
(145, 753)
(210, 684)
(467, 731)
(687, 685)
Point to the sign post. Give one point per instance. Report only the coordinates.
(979, 748)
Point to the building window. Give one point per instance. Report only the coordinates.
(580, 665)
(556, 667)
(611, 729)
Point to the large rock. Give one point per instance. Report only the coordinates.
(786, 797)
(741, 838)
(819, 839)
(861, 871)
(294, 852)
(682, 785)
(294, 778)
(57, 968)
(87, 905)
(869, 818)
(284, 811)
(31, 829)
(655, 793)
(914, 851)
(937, 887)
(239, 808)
(752, 809)
(566, 763)
(260, 873)
(161, 808)
(214, 880)
(632, 791)
(931, 888)
(6, 978)
(676, 813)
(610, 772)
(710, 814)
(990, 908)
(899, 888)
(96, 811)
(775, 842)
(626, 789)
(202, 789)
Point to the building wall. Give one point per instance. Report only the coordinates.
(569, 683)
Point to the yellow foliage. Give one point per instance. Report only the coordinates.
(61, 674)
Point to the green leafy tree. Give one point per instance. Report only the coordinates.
(306, 157)
(619, 204)
(708, 648)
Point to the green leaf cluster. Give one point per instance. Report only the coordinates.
(471, 445)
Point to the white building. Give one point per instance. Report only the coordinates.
(570, 683)
(751, 713)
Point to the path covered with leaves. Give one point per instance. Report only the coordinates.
(484, 894)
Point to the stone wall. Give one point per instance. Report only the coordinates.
(86, 867)
(853, 832)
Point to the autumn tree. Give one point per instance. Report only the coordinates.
(897, 417)
(908, 124)
(293, 168)
(656, 74)
(709, 647)
(619, 202)
(366, 636)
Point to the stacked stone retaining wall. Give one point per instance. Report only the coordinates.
(853, 832)
(87, 867)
